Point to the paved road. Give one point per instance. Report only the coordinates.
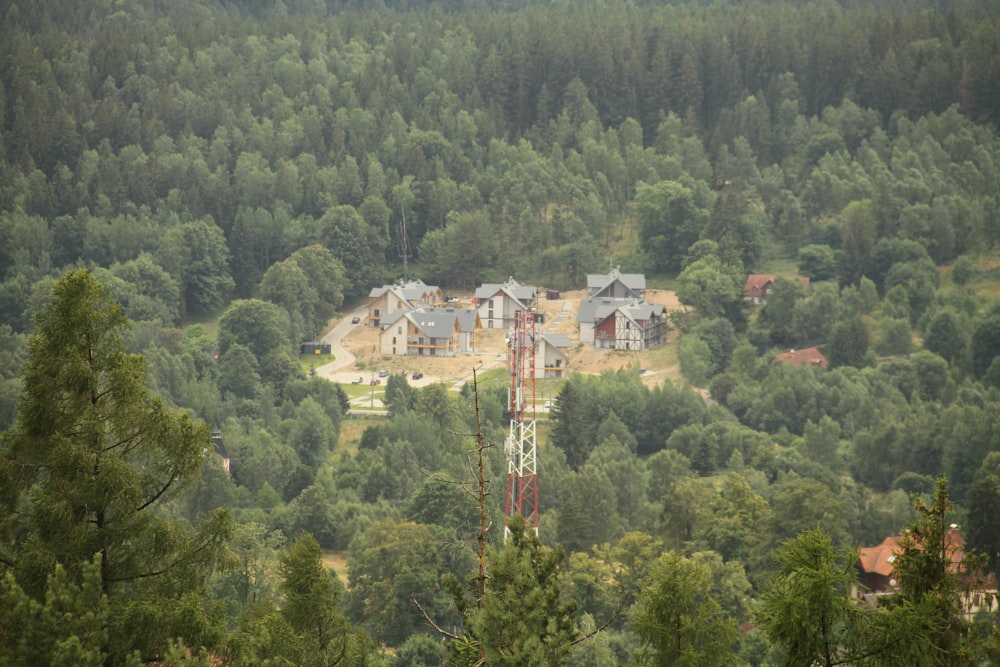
(342, 357)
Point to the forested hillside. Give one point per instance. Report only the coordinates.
(190, 189)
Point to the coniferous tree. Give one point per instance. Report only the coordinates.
(522, 620)
(931, 578)
(677, 616)
(807, 609)
(984, 510)
(90, 459)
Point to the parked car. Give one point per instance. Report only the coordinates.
(376, 381)
(355, 319)
(383, 373)
(417, 375)
(357, 380)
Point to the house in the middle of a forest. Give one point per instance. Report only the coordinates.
(810, 356)
(876, 566)
(621, 324)
(757, 285)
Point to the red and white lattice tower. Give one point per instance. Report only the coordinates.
(520, 448)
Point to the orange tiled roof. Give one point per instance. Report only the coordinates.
(810, 356)
(757, 283)
(879, 559)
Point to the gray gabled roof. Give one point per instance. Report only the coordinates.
(598, 309)
(466, 319)
(594, 310)
(641, 311)
(392, 318)
(435, 320)
(411, 291)
(634, 281)
(556, 340)
(518, 292)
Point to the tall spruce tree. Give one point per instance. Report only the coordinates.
(679, 620)
(931, 575)
(91, 458)
(984, 511)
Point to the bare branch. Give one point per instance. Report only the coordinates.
(596, 631)
(434, 477)
(431, 622)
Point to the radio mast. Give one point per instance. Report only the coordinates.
(520, 447)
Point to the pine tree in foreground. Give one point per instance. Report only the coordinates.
(91, 459)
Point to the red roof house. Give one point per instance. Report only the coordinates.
(757, 284)
(875, 564)
(810, 356)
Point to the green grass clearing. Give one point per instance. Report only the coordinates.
(336, 561)
(351, 430)
(310, 361)
(356, 390)
(493, 377)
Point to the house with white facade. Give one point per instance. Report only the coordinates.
(498, 303)
(551, 356)
(616, 285)
(622, 324)
(388, 299)
(428, 331)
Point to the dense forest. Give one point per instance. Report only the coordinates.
(190, 189)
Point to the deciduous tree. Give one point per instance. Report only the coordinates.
(671, 218)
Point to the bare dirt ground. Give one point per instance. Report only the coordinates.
(560, 317)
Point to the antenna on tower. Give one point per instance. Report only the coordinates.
(404, 244)
(520, 447)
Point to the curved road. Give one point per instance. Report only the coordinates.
(342, 357)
